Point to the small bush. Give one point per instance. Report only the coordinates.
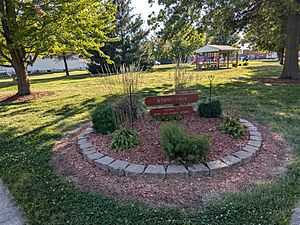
(168, 118)
(103, 118)
(233, 127)
(210, 109)
(180, 146)
(245, 64)
(124, 139)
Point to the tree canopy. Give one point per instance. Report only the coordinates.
(29, 29)
(129, 45)
(180, 45)
(275, 23)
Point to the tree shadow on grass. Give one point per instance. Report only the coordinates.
(28, 155)
(70, 110)
(39, 79)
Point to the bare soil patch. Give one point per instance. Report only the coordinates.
(23, 98)
(279, 81)
(193, 194)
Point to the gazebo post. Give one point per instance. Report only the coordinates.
(227, 59)
(218, 59)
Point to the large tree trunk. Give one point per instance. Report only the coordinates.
(280, 54)
(291, 67)
(66, 65)
(21, 75)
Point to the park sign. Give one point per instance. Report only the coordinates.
(171, 100)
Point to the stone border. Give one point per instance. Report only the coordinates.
(124, 168)
(295, 220)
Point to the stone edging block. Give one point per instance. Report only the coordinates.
(134, 170)
(177, 171)
(198, 170)
(155, 171)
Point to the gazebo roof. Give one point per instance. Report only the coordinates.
(215, 48)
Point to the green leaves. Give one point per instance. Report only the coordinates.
(104, 119)
(129, 46)
(232, 127)
(56, 26)
(124, 139)
(180, 146)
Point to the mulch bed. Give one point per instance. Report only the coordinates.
(279, 81)
(23, 98)
(194, 194)
(149, 150)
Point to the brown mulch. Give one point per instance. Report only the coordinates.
(270, 164)
(149, 150)
(279, 81)
(23, 98)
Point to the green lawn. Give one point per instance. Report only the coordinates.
(29, 129)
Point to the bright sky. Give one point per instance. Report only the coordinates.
(142, 7)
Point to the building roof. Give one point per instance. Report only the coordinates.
(215, 48)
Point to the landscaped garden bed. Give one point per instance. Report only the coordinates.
(59, 186)
(149, 149)
(167, 169)
(170, 136)
(190, 194)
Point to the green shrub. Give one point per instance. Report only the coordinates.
(233, 127)
(103, 118)
(245, 64)
(168, 118)
(124, 139)
(210, 109)
(180, 146)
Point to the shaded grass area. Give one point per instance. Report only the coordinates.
(29, 129)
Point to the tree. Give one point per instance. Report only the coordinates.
(240, 15)
(273, 37)
(28, 30)
(180, 45)
(216, 30)
(129, 45)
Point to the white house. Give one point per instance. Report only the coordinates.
(50, 64)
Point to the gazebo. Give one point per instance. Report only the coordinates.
(216, 56)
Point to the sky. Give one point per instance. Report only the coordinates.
(143, 7)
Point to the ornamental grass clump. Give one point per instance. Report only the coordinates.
(124, 139)
(183, 147)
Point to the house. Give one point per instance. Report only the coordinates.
(50, 64)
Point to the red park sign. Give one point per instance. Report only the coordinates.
(171, 99)
(172, 111)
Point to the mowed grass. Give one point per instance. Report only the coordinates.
(29, 129)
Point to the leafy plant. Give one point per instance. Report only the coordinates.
(124, 139)
(104, 119)
(233, 127)
(180, 146)
(210, 109)
(168, 118)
